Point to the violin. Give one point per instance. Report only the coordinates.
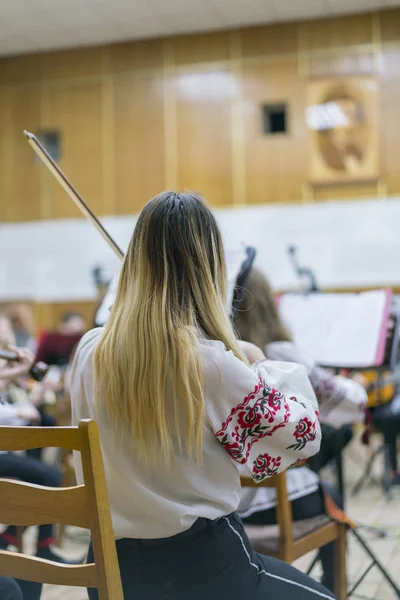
(303, 272)
(37, 371)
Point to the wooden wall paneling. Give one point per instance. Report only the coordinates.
(204, 133)
(139, 141)
(21, 179)
(21, 70)
(6, 155)
(389, 109)
(108, 126)
(341, 32)
(269, 40)
(237, 123)
(276, 165)
(76, 110)
(170, 117)
(202, 48)
(72, 64)
(345, 191)
(390, 25)
(131, 57)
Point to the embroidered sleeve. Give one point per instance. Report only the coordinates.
(341, 400)
(272, 426)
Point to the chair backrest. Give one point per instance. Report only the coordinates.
(83, 506)
(283, 508)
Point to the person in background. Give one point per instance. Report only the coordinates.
(179, 410)
(22, 467)
(20, 390)
(21, 319)
(55, 347)
(341, 401)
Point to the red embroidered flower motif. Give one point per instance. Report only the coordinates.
(275, 400)
(305, 432)
(265, 466)
(261, 414)
(249, 418)
(235, 451)
(303, 428)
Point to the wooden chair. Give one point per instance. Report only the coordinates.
(290, 540)
(83, 506)
(63, 419)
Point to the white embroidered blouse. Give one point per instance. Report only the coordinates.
(262, 419)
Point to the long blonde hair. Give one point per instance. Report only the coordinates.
(171, 291)
(258, 320)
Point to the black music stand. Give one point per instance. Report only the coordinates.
(389, 364)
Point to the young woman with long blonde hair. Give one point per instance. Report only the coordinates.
(179, 410)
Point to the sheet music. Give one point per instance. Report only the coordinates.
(343, 330)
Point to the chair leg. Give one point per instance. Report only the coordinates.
(67, 481)
(340, 563)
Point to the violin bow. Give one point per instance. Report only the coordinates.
(72, 192)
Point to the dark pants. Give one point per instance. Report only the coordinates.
(45, 421)
(332, 445)
(212, 560)
(307, 507)
(21, 590)
(9, 589)
(30, 470)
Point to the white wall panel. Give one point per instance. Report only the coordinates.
(347, 244)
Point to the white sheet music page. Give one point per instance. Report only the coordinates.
(339, 330)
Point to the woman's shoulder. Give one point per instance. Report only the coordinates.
(87, 345)
(90, 338)
(218, 361)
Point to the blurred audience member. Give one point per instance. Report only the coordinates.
(24, 467)
(55, 347)
(23, 338)
(16, 387)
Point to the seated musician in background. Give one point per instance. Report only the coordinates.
(55, 347)
(20, 318)
(341, 401)
(179, 409)
(25, 468)
(22, 390)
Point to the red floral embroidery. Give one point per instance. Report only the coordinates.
(265, 466)
(303, 428)
(252, 420)
(305, 432)
(249, 418)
